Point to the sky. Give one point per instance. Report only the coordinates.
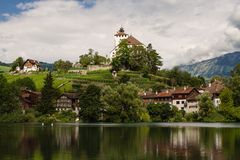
(182, 31)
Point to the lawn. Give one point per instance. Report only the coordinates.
(38, 79)
(4, 69)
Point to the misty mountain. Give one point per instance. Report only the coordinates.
(221, 65)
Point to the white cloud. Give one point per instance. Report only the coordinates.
(182, 31)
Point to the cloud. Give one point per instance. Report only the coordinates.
(233, 31)
(181, 31)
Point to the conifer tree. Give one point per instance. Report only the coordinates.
(48, 96)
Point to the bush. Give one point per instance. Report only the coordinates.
(65, 116)
(47, 119)
(178, 117)
(192, 117)
(214, 117)
(17, 117)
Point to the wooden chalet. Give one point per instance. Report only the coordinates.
(31, 65)
(29, 98)
(68, 101)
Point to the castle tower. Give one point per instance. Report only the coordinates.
(120, 35)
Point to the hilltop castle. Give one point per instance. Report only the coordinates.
(121, 35)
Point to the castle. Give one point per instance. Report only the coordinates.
(121, 35)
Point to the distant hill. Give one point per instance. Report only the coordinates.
(221, 66)
(5, 64)
(45, 65)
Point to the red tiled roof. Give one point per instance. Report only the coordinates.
(193, 96)
(215, 87)
(169, 93)
(183, 90)
(133, 41)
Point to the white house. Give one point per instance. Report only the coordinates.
(215, 89)
(184, 98)
(31, 65)
(121, 35)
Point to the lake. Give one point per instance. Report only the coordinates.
(163, 141)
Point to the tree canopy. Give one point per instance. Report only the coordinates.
(48, 96)
(8, 96)
(90, 103)
(61, 65)
(123, 104)
(17, 63)
(92, 58)
(136, 58)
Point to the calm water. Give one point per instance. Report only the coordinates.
(175, 141)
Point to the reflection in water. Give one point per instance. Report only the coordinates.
(66, 142)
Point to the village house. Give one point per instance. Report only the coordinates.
(161, 97)
(184, 98)
(29, 98)
(215, 89)
(67, 102)
(29, 65)
(121, 35)
(181, 96)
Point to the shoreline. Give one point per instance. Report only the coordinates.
(143, 124)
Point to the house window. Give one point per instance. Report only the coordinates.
(178, 102)
(182, 102)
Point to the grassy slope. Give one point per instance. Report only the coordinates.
(38, 78)
(4, 68)
(101, 76)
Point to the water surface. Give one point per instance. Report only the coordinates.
(163, 141)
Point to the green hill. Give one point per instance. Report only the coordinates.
(101, 77)
(4, 69)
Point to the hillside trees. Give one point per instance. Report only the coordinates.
(25, 82)
(8, 96)
(92, 58)
(206, 106)
(181, 78)
(227, 104)
(123, 104)
(136, 58)
(234, 85)
(17, 63)
(62, 66)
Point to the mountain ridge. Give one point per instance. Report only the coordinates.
(218, 66)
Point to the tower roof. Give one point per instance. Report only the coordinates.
(121, 32)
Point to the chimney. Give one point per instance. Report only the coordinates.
(156, 93)
(145, 93)
(185, 88)
(210, 84)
